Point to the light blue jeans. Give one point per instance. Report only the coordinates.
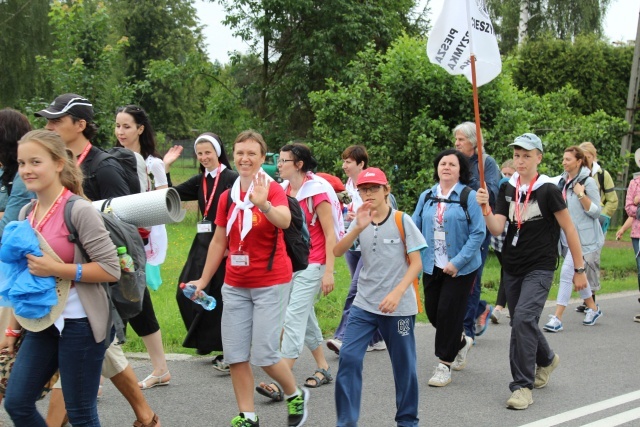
(300, 323)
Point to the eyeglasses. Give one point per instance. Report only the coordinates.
(283, 161)
(369, 190)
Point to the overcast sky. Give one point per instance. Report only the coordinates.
(621, 23)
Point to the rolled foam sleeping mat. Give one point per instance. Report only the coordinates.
(146, 209)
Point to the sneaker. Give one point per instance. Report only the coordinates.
(241, 421)
(298, 408)
(334, 345)
(553, 325)
(496, 315)
(441, 377)
(520, 399)
(581, 308)
(461, 357)
(220, 365)
(379, 346)
(591, 316)
(544, 372)
(481, 321)
(636, 318)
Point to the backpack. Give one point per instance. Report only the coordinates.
(464, 197)
(296, 237)
(127, 160)
(127, 293)
(399, 217)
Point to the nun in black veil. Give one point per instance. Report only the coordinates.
(216, 176)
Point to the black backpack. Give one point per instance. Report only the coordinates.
(296, 237)
(464, 197)
(127, 160)
(128, 292)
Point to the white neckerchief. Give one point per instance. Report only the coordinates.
(595, 168)
(356, 200)
(542, 179)
(214, 172)
(244, 205)
(313, 186)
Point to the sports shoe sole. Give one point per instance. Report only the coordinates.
(333, 347)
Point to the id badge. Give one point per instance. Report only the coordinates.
(240, 259)
(204, 226)
(439, 235)
(515, 238)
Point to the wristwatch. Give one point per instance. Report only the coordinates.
(580, 196)
(579, 270)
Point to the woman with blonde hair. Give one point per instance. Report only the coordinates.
(82, 311)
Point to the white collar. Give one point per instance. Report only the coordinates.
(214, 172)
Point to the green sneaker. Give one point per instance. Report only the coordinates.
(298, 408)
(241, 421)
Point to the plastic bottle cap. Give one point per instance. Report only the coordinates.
(122, 250)
(183, 285)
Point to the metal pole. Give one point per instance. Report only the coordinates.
(632, 104)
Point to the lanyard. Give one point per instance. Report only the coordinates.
(526, 200)
(564, 189)
(49, 213)
(204, 187)
(440, 211)
(83, 154)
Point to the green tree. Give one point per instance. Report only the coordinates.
(301, 43)
(24, 33)
(403, 109)
(563, 19)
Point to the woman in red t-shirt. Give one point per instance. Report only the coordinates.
(255, 297)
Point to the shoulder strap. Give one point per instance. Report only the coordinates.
(464, 197)
(601, 180)
(95, 162)
(73, 232)
(399, 217)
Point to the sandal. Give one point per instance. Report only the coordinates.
(220, 365)
(153, 381)
(272, 391)
(155, 422)
(326, 378)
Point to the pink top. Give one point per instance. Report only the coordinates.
(631, 208)
(317, 252)
(56, 232)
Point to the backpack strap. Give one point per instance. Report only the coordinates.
(464, 197)
(601, 182)
(73, 232)
(399, 217)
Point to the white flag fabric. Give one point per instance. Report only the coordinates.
(455, 36)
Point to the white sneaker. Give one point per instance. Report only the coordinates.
(461, 357)
(441, 377)
(496, 315)
(553, 325)
(379, 346)
(591, 316)
(334, 345)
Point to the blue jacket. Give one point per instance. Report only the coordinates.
(463, 239)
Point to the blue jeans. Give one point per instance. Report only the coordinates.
(636, 246)
(476, 306)
(355, 264)
(398, 333)
(79, 359)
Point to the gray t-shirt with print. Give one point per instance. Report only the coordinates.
(384, 264)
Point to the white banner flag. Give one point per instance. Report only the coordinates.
(455, 35)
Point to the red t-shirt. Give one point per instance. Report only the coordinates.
(317, 252)
(258, 244)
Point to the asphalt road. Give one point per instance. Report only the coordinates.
(596, 384)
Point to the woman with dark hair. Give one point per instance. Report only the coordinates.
(450, 263)
(13, 193)
(216, 176)
(323, 216)
(134, 131)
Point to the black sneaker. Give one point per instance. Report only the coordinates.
(241, 421)
(297, 407)
(581, 308)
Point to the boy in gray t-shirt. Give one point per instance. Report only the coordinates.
(385, 300)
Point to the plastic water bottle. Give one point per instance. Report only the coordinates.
(206, 301)
(126, 262)
(345, 212)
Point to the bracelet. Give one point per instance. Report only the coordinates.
(266, 210)
(13, 332)
(78, 272)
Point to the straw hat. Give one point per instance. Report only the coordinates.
(638, 157)
(62, 290)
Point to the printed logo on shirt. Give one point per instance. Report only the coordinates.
(404, 327)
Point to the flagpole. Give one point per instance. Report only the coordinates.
(476, 108)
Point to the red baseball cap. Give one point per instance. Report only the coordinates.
(372, 176)
(335, 182)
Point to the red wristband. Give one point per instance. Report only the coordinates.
(12, 333)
